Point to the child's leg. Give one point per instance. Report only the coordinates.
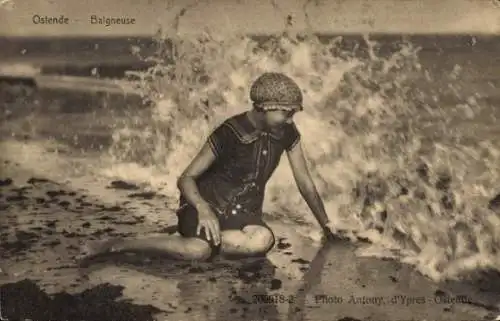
(186, 246)
(252, 240)
(174, 246)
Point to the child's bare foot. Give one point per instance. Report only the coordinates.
(95, 248)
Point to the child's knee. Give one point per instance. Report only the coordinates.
(260, 238)
(198, 250)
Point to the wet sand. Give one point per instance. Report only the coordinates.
(43, 224)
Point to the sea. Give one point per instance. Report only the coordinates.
(400, 132)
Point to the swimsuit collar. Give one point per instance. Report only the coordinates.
(246, 131)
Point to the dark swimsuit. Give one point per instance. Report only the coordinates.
(235, 184)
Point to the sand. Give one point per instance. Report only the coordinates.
(44, 222)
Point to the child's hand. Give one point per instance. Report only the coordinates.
(329, 231)
(331, 227)
(208, 221)
(332, 233)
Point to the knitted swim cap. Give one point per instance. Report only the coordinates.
(276, 91)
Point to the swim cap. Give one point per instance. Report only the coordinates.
(276, 91)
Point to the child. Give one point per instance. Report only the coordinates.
(222, 190)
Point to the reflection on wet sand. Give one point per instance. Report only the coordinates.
(249, 298)
(311, 278)
(343, 286)
(218, 290)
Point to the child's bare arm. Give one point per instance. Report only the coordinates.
(187, 185)
(306, 185)
(187, 181)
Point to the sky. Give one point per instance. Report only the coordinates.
(253, 16)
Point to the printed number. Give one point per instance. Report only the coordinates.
(273, 299)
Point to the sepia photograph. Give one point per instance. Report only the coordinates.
(266, 160)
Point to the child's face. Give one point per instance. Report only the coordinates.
(277, 118)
